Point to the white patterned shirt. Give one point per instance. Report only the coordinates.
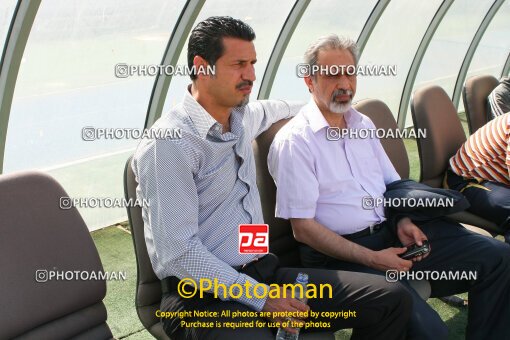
(200, 188)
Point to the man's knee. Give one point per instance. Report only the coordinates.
(258, 333)
(434, 330)
(494, 255)
(399, 297)
(427, 329)
(440, 330)
(497, 249)
(227, 330)
(503, 250)
(425, 323)
(222, 333)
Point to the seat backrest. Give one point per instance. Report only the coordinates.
(281, 238)
(148, 286)
(433, 111)
(382, 117)
(42, 247)
(474, 94)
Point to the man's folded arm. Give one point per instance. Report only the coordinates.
(264, 113)
(165, 178)
(317, 236)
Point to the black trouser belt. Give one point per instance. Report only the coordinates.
(365, 232)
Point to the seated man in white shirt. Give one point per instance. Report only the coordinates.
(321, 185)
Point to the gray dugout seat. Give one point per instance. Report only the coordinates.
(38, 236)
(433, 111)
(148, 286)
(474, 94)
(382, 118)
(281, 238)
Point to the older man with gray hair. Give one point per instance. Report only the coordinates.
(322, 183)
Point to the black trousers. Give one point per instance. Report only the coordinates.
(490, 200)
(382, 308)
(453, 248)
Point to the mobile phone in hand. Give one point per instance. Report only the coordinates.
(414, 250)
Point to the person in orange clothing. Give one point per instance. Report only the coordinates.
(481, 171)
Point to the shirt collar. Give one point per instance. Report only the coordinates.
(315, 117)
(353, 117)
(317, 120)
(202, 120)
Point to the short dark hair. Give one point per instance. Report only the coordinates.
(206, 39)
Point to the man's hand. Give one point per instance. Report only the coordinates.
(387, 259)
(408, 233)
(285, 304)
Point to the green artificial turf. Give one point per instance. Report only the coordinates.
(115, 248)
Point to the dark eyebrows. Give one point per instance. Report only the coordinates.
(244, 61)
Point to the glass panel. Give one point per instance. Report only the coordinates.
(7, 8)
(266, 21)
(67, 82)
(393, 43)
(443, 59)
(491, 53)
(320, 18)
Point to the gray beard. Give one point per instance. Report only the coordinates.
(339, 108)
